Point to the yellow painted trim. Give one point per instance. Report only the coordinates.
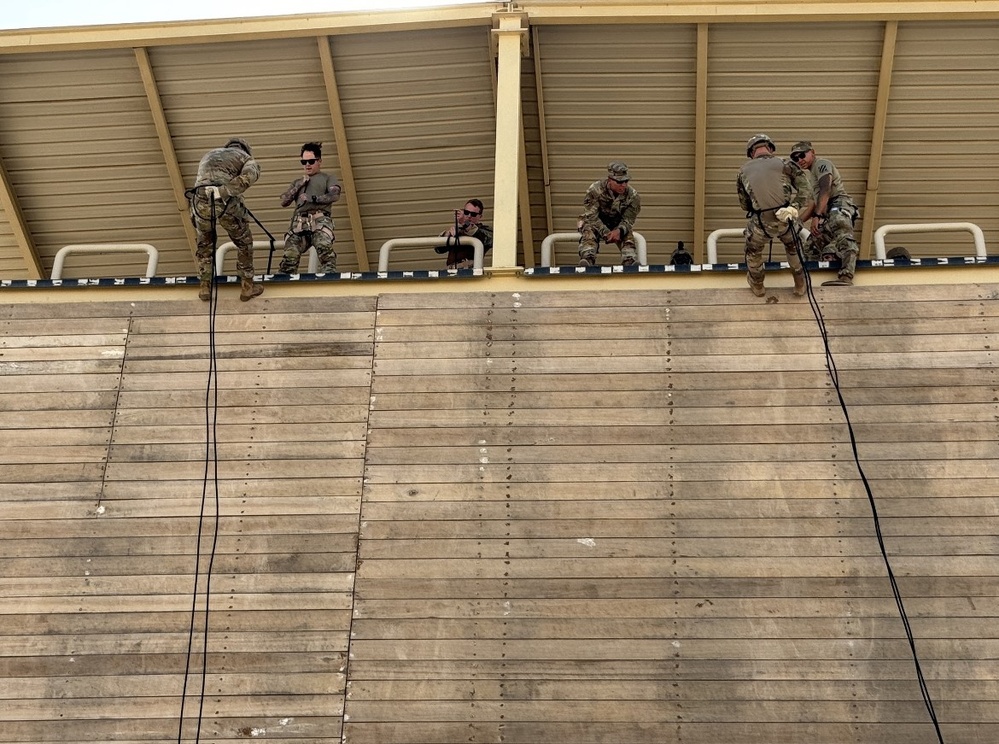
(540, 12)
(543, 130)
(18, 225)
(509, 40)
(240, 29)
(343, 152)
(878, 138)
(748, 11)
(166, 148)
(779, 286)
(700, 143)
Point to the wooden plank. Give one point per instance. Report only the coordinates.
(611, 607)
(655, 346)
(641, 472)
(674, 546)
(153, 603)
(592, 521)
(266, 381)
(693, 731)
(116, 546)
(164, 728)
(441, 452)
(793, 498)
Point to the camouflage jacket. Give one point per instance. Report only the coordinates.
(769, 182)
(229, 168)
(604, 211)
(838, 195)
(319, 193)
(480, 231)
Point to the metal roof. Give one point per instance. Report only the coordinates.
(102, 128)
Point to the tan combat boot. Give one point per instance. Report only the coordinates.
(757, 288)
(205, 291)
(250, 289)
(799, 283)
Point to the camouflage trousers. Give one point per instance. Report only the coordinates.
(590, 239)
(313, 230)
(760, 230)
(835, 240)
(231, 217)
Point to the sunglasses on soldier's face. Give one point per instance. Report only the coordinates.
(310, 161)
(471, 214)
(798, 156)
(617, 181)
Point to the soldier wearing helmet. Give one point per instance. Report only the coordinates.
(223, 175)
(831, 216)
(610, 209)
(771, 191)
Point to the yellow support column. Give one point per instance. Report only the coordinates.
(510, 37)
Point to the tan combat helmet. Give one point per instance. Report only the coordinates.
(757, 140)
(239, 142)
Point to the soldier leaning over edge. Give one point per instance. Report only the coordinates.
(223, 175)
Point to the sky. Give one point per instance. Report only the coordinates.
(22, 14)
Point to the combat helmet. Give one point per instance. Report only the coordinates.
(239, 142)
(759, 139)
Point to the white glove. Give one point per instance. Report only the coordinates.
(211, 191)
(787, 214)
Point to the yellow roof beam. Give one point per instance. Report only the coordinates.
(18, 225)
(878, 137)
(343, 152)
(743, 11)
(166, 146)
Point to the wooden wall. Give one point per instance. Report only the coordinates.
(593, 517)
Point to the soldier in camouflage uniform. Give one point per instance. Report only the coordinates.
(610, 209)
(311, 223)
(467, 222)
(772, 191)
(223, 174)
(832, 215)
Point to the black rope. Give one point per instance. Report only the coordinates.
(270, 255)
(211, 460)
(834, 375)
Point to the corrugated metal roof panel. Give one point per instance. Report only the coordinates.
(83, 157)
(792, 81)
(420, 120)
(942, 139)
(631, 101)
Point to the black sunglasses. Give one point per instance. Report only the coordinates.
(615, 180)
(798, 155)
(471, 214)
(310, 161)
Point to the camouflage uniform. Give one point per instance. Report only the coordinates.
(233, 171)
(766, 184)
(604, 211)
(311, 223)
(461, 255)
(835, 238)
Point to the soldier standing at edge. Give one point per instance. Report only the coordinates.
(832, 215)
(223, 175)
(312, 222)
(767, 185)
